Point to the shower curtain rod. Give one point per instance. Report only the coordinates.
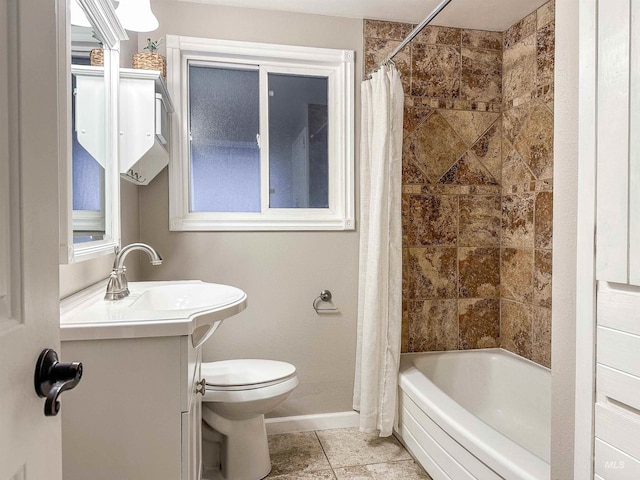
(417, 30)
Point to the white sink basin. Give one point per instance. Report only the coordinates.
(187, 297)
(153, 309)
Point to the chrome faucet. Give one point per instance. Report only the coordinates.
(118, 287)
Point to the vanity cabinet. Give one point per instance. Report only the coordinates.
(136, 413)
(144, 130)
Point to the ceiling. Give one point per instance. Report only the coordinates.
(495, 15)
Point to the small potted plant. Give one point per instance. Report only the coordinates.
(151, 60)
(96, 55)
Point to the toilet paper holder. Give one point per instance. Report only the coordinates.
(325, 296)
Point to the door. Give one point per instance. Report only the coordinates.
(29, 311)
(608, 366)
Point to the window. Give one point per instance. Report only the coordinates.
(263, 136)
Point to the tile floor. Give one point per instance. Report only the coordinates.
(343, 454)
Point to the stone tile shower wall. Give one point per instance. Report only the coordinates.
(456, 208)
(527, 185)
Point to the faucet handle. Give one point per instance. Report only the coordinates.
(124, 283)
(114, 286)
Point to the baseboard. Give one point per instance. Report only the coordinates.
(308, 423)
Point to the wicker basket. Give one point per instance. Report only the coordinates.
(150, 61)
(96, 55)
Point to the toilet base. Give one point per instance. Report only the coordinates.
(244, 452)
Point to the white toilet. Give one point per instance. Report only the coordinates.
(238, 394)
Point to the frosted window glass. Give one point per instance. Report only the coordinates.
(87, 173)
(88, 180)
(224, 121)
(298, 142)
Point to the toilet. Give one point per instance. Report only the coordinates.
(238, 393)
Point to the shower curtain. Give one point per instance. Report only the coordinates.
(380, 275)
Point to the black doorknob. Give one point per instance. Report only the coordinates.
(53, 377)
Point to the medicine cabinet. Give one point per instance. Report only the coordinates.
(88, 106)
(145, 109)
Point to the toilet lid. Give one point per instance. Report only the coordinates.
(247, 373)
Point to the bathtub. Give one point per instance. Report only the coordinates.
(477, 414)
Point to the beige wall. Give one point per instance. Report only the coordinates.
(282, 272)
(129, 47)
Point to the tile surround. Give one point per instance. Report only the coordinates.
(479, 272)
(469, 125)
(434, 146)
(481, 76)
(479, 323)
(377, 49)
(516, 275)
(488, 149)
(433, 325)
(542, 278)
(544, 219)
(535, 142)
(520, 30)
(468, 170)
(516, 328)
(518, 220)
(482, 39)
(527, 186)
(436, 35)
(435, 71)
(519, 62)
(432, 272)
(541, 336)
(429, 219)
(479, 220)
(477, 184)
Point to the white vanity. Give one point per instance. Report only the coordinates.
(137, 412)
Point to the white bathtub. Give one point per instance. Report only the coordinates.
(478, 414)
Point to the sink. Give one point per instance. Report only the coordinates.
(153, 309)
(187, 297)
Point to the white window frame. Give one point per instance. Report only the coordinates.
(336, 65)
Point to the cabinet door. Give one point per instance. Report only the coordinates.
(192, 431)
(618, 144)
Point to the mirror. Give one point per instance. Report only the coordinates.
(88, 135)
(89, 184)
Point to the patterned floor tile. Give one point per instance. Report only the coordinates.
(297, 452)
(348, 447)
(406, 470)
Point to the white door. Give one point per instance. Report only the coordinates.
(29, 311)
(608, 428)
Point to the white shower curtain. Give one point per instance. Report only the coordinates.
(380, 276)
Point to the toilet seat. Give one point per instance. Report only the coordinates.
(238, 394)
(245, 374)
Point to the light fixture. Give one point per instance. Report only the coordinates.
(77, 15)
(136, 15)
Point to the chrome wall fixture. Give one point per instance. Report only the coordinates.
(325, 296)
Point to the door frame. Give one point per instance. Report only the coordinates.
(586, 248)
